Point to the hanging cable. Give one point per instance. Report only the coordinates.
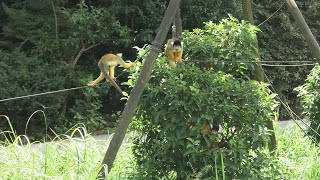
(45, 93)
(250, 61)
(264, 63)
(271, 15)
(287, 65)
(49, 92)
(289, 110)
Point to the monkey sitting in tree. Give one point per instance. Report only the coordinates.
(107, 65)
(173, 51)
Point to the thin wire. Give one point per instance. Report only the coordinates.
(287, 65)
(253, 61)
(45, 93)
(49, 92)
(291, 112)
(271, 15)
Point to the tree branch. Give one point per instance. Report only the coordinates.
(92, 46)
(55, 19)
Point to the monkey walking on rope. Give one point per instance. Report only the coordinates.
(107, 65)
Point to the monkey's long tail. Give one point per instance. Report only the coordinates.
(106, 75)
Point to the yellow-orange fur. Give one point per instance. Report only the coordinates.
(174, 52)
(107, 65)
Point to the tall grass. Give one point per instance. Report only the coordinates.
(297, 152)
(74, 156)
(78, 156)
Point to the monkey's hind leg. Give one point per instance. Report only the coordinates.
(108, 78)
(178, 56)
(111, 72)
(171, 58)
(96, 81)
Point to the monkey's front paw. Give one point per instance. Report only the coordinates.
(179, 60)
(91, 84)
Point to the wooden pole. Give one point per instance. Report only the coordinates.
(178, 25)
(259, 74)
(248, 16)
(130, 107)
(305, 30)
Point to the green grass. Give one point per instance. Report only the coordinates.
(80, 158)
(67, 157)
(298, 153)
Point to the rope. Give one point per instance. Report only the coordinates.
(271, 15)
(287, 65)
(288, 109)
(252, 61)
(49, 92)
(156, 47)
(40, 94)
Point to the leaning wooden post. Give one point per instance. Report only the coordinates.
(130, 107)
(303, 26)
(248, 15)
(178, 25)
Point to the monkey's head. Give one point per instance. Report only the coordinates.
(176, 44)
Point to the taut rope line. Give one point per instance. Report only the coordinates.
(40, 94)
(50, 92)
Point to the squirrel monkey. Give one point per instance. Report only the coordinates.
(107, 65)
(173, 51)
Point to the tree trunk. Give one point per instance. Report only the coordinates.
(248, 16)
(305, 30)
(136, 93)
(178, 25)
(259, 74)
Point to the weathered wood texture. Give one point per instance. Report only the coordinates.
(136, 93)
(304, 28)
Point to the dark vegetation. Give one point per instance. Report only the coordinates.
(52, 45)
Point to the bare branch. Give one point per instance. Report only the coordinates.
(55, 18)
(92, 46)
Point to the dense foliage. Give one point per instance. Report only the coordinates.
(227, 46)
(192, 118)
(310, 100)
(48, 43)
(202, 120)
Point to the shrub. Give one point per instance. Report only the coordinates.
(190, 116)
(222, 46)
(196, 120)
(310, 99)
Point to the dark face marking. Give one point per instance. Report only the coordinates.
(177, 42)
(176, 45)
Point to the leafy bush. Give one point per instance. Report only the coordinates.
(193, 118)
(310, 99)
(222, 46)
(190, 116)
